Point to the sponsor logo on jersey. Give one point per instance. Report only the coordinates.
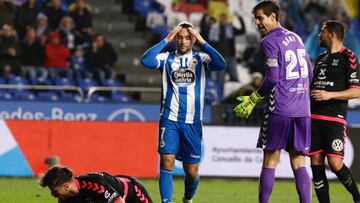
(354, 81)
(354, 78)
(337, 145)
(107, 194)
(272, 62)
(299, 89)
(183, 77)
(113, 196)
(319, 84)
(353, 75)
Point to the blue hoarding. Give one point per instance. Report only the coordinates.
(83, 111)
(353, 118)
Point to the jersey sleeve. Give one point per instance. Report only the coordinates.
(161, 58)
(152, 58)
(271, 53)
(353, 71)
(100, 185)
(213, 58)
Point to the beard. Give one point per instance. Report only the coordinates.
(183, 51)
(262, 31)
(322, 43)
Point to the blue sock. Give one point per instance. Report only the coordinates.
(190, 187)
(166, 186)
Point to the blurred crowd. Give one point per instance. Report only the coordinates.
(43, 41)
(229, 27)
(52, 42)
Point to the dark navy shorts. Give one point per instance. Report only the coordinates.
(327, 137)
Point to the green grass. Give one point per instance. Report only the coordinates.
(26, 190)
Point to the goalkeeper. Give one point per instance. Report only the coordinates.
(285, 89)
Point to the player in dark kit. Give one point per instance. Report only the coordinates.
(336, 80)
(286, 123)
(93, 187)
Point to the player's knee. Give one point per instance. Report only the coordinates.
(167, 164)
(192, 173)
(335, 163)
(317, 159)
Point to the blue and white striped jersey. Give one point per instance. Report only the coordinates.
(183, 80)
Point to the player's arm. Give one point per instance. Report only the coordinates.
(149, 58)
(216, 61)
(247, 103)
(271, 69)
(322, 95)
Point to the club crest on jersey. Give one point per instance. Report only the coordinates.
(322, 75)
(335, 62)
(194, 61)
(183, 77)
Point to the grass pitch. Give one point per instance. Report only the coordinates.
(26, 190)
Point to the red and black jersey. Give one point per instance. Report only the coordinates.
(104, 188)
(334, 72)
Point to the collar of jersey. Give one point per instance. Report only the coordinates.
(186, 55)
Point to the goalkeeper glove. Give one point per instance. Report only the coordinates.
(247, 104)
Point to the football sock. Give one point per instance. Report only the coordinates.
(303, 184)
(267, 178)
(166, 185)
(190, 187)
(321, 184)
(348, 181)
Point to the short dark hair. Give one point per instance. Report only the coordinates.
(269, 7)
(56, 176)
(185, 25)
(337, 27)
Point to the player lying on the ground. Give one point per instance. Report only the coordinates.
(93, 187)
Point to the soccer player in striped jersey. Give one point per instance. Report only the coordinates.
(286, 123)
(93, 187)
(183, 95)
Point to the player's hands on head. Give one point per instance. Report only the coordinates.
(247, 104)
(172, 34)
(197, 36)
